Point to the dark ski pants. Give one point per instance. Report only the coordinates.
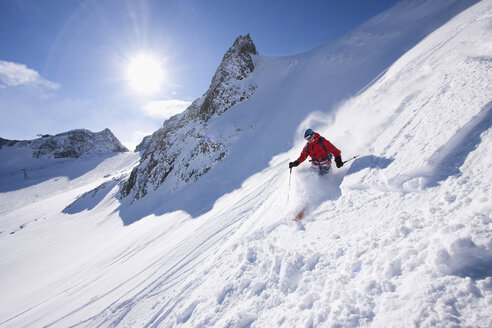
(321, 169)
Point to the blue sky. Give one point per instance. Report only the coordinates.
(64, 63)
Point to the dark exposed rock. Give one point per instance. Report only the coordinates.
(143, 144)
(181, 151)
(235, 66)
(71, 144)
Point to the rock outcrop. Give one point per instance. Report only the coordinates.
(182, 149)
(71, 144)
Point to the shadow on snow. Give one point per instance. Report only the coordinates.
(448, 159)
(37, 171)
(370, 161)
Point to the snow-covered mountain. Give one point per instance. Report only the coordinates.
(28, 163)
(71, 144)
(183, 150)
(399, 237)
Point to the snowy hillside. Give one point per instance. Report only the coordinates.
(399, 237)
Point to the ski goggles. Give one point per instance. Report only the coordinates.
(308, 136)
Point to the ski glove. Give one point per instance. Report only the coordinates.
(293, 164)
(338, 161)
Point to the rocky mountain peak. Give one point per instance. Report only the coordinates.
(180, 152)
(244, 44)
(71, 144)
(236, 65)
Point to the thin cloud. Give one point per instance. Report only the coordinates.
(13, 74)
(165, 109)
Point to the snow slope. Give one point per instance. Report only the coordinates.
(400, 237)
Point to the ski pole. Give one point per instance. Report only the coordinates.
(288, 192)
(348, 160)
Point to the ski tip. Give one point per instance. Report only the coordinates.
(299, 216)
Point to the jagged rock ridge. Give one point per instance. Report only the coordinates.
(235, 66)
(71, 144)
(182, 150)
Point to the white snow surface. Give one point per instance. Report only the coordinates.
(399, 237)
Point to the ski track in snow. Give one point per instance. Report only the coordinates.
(399, 237)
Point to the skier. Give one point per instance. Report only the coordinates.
(320, 150)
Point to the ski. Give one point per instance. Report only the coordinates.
(299, 215)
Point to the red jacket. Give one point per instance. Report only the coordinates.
(316, 151)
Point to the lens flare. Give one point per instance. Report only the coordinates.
(145, 74)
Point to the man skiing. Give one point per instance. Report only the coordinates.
(320, 150)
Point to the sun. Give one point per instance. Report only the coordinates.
(145, 74)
